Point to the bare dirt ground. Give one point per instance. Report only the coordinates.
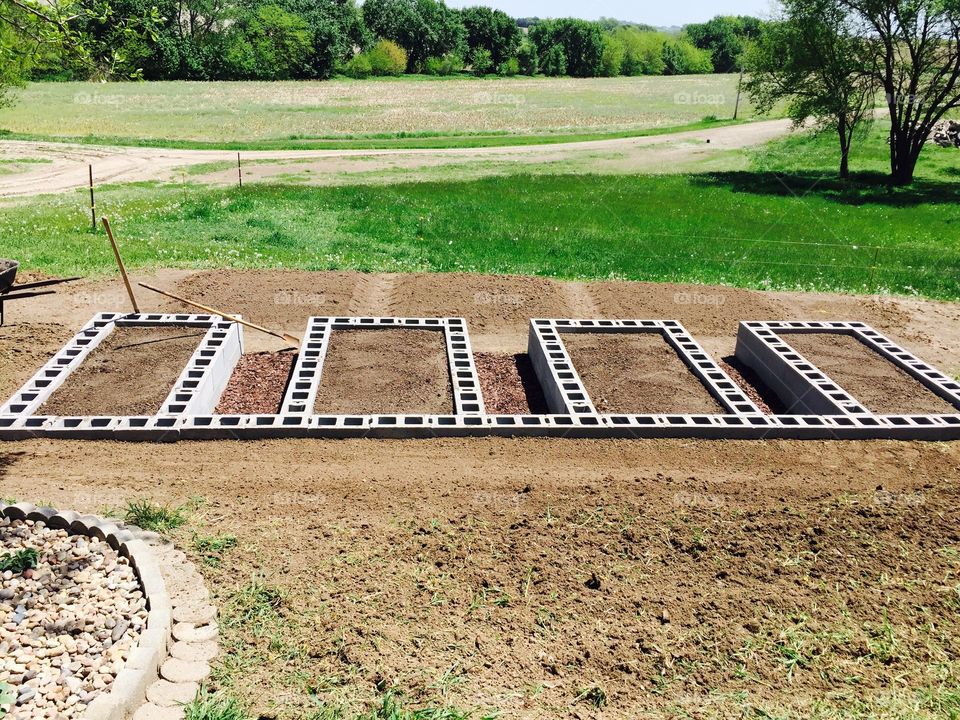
(548, 578)
(67, 169)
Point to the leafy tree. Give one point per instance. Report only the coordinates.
(725, 37)
(387, 58)
(527, 59)
(493, 30)
(814, 61)
(581, 43)
(914, 53)
(269, 44)
(681, 57)
(423, 28)
(337, 29)
(614, 52)
(643, 51)
(92, 37)
(553, 62)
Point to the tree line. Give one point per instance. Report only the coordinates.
(317, 39)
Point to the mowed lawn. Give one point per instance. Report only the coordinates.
(786, 223)
(285, 114)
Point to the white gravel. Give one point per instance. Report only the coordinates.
(67, 628)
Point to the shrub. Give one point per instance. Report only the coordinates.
(481, 61)
(449, 64)
(387, 58)
(509, 68)
(359, 67)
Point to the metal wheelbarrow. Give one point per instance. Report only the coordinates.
(9, 291)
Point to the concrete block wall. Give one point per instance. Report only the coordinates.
(820, 408)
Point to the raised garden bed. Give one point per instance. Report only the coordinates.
(130, 373)
(873, 380)
(257, 385)
(385, 372)
(636, 373)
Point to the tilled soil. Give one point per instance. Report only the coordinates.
(877, 383)
(257, 385)
(665, 578)
(369, 372)
(509, 384)
(636, 373)
(130, 373)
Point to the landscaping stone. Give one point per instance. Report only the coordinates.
(68, 626)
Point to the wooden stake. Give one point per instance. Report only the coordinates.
(93, 205)
(123, 270)
(239, 171)
(225, 316)
(736, 108)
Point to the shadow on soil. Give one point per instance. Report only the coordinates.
(7, 461)
(860, 189)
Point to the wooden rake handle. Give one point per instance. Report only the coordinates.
(232, 318)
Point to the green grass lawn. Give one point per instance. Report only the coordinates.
(786, 223)
(399, 112)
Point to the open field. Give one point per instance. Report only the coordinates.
(370, 113)
(779, 222)
(608, 580)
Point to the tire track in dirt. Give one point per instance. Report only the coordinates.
(374, 295)
(581, 301)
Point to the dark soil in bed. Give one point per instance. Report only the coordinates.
(257, 385)
(388, 372)
(874, 381)
(637, 373)
(509, 384)
(130, 373)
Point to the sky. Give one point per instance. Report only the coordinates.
(664, 13)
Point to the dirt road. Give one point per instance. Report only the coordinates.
(64, 166)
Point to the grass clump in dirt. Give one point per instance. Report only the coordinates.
(214, 706)
(212, 548)
(156, 518)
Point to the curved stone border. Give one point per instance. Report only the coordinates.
(172, 657)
